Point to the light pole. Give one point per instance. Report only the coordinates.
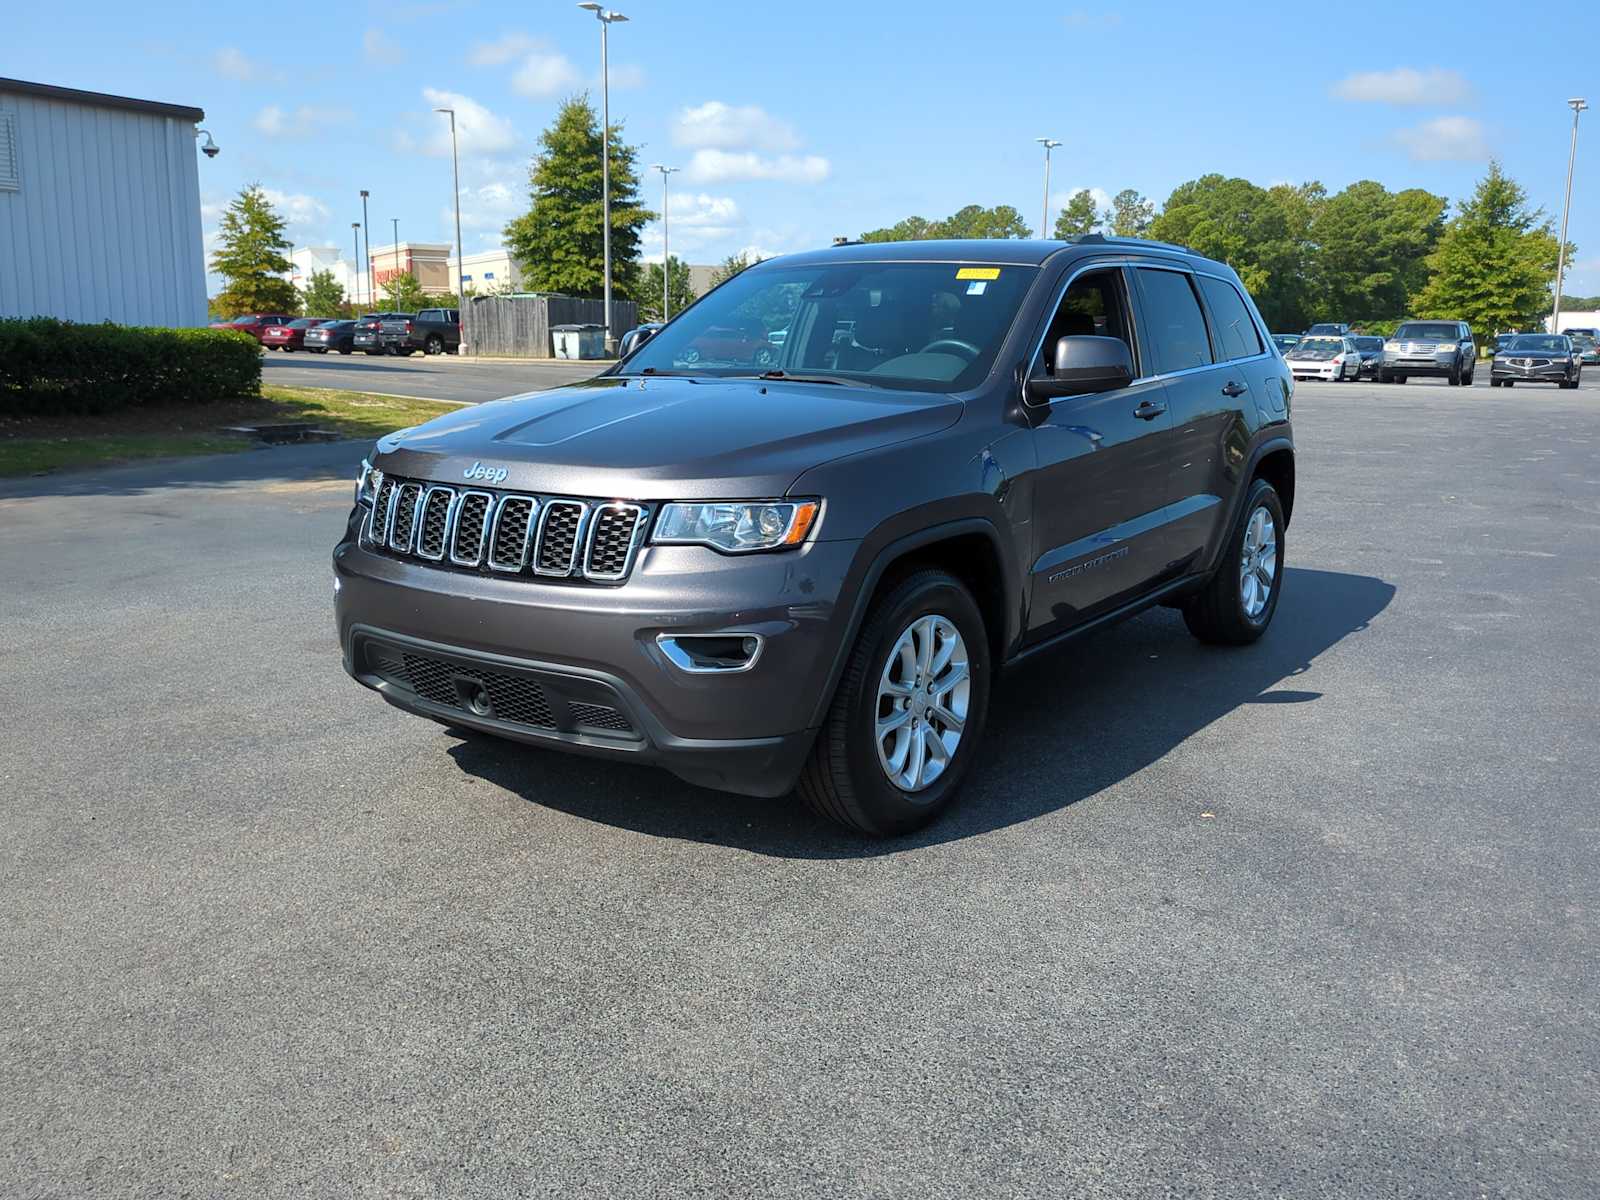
(366, 233)
(666, 247)
(396, 222)
(1049, 144)
(355, 233)
(605, 17)
(455, 171)
(1577, 105)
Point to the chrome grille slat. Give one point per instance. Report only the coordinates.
(513, 530)
(507, 533)
(470, 534)
(560, 535)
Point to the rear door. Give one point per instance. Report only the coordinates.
(1101, 481)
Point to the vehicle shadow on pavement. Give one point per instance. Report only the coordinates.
(1062, 727)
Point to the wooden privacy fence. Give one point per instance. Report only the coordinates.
(519, 326)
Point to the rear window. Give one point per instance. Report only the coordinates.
(1236, 332)
(1173, 316)
(1431, 331)
(301, 323)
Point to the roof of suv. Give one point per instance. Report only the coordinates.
(1006, 251)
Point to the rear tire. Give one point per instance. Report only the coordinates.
(435, 345)
(1509, 383)
(1225, 611)
(344, 350)
(847, 777)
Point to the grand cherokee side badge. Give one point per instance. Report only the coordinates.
(488, 474)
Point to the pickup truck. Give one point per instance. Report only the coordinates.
(433, 331)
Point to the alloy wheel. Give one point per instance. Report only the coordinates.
(923, 697)
(1258, 563)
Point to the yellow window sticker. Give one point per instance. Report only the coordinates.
(978, 273)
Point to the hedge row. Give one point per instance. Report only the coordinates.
(51, 366)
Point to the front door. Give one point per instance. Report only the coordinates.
(1101, 482)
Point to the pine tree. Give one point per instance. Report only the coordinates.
(559, 241)
(1493, 265)
(1130, 214)
(250, 259)
(1078, 217)
(324, 295)
(682, 289)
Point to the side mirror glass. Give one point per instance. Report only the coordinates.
(1084, 364)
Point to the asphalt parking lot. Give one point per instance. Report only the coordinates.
(1313, 918)
(441, 377)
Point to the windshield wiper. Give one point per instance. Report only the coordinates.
(779, 373)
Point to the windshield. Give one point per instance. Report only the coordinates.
(302, 323)
(1321, 345)
(1539, 343)
(927, 326)
(1582, 341)
(1368, 343)
(1327, 328)
(1428, 331)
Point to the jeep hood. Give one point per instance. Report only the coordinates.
(660, 438)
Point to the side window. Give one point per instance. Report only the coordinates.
(1094, 304)
(1236, 332)
(1172, 315)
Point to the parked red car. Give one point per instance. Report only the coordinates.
(289, 337)
(745, 343)
(255, 324)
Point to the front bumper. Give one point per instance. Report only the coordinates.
(1547, 373)
(1418, 364)
(583, 649)
(1316, 370)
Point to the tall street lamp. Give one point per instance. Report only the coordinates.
(366, 233)
(1049, 144)
(355, 233)
(605, 17)
(455, 170)
(666, 247)
(1577, 105)
(396, 223)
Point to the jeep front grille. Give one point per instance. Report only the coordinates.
(506, 533)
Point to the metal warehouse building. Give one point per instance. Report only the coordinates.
(99, 208)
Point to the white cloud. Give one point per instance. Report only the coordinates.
(304, 122)
(722, 126)
(720, 166)
(232, 63)
(502, 50)
(626, 75)
(1405, 86)
(380, 49)
(544, 73)
(303, 213)
(478, 131)
(1445, 139)
(487, 208)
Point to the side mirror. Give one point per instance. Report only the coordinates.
(635, 338)
(1084, 364)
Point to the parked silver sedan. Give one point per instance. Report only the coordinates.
(1333, 359)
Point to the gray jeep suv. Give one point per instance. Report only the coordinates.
(764, 563)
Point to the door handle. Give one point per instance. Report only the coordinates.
(1149, 410)
(1234, 389)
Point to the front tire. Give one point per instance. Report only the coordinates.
(1236, 605)
(909, 712)
(435, 345)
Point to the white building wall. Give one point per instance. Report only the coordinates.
(105, 222)
(1576, 320)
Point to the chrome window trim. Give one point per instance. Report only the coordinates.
(579, 539)
(449, 522)
(527, 534)
(394, 516)
(635, 539)
(1099, 264)
(488, 526)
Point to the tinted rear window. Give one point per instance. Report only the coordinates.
(1173, 316)
(1236, 332)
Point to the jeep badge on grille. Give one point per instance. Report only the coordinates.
(488, 474)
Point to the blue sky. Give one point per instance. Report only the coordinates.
(794, 123)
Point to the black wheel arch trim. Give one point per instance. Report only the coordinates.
(1270, 444)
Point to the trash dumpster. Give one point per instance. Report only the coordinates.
(578, 341)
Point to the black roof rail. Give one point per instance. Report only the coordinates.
(1097, 239)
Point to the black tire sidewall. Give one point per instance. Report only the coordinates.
(1262, 494)
(888, 809)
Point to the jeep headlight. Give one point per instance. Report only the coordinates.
(368, 483)
(736, 526)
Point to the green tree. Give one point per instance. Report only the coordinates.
(682, 290)
(402, 293)
(250, 259)
(1079, 216)
(1493, 264)
(1130, 214)
(973, 221)
(559, 240)
(324, 295)
(729, 267)
(1371, 245)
